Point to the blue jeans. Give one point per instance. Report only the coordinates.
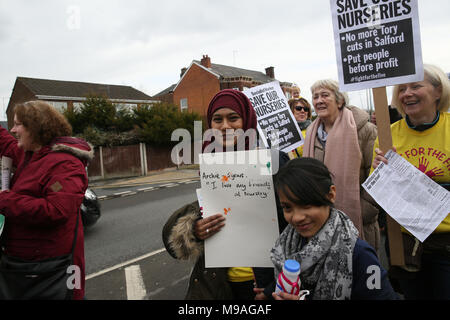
(432, 282)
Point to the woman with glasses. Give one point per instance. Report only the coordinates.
(342, 138)
(301, 109)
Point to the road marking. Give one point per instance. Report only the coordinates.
(129, 193)
(101, 197)
(189, 182)
(146, 189)
(121, 193)
(135, 283)
(123, 264)
(169, 185)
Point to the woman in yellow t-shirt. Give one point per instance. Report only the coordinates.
(423, 139)
(301, 109)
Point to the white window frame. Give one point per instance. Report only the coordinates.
(183, 104)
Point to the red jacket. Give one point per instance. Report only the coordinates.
(42, 204)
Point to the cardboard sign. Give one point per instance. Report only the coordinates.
(243, 192)
(377, 43)
(276, 123)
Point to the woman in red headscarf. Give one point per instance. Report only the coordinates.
(185, 231)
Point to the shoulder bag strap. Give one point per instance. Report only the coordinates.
(75, 234)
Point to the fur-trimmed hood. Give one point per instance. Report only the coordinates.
(75, 146)
(178, 233)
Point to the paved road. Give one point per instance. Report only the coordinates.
(125, 256)
(130, 228)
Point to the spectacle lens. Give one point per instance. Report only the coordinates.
(300, 108)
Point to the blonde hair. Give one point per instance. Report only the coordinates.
(438, 79)
(332, 85)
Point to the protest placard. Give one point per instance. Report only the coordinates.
(276, 123)
(377, 43)
(244, 194)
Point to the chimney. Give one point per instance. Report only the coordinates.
(183, 70)
(270, 72)
(206, 61)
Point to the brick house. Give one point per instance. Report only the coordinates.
(202, 80)
(70, 94)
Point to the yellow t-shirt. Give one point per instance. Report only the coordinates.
(298, 152)
(428, 150)
(240, 274)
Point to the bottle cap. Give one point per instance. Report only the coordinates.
(292, 266)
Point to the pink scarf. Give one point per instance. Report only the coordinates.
(343, 159)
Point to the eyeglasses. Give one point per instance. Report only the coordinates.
(300, 108)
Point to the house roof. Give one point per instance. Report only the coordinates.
(166, 91)
(57, 88)
(233, 72)
(226, 72)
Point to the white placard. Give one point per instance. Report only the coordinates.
(408, 195)
(377, 43)
(276, 123)
(6, 172)
(244, 194)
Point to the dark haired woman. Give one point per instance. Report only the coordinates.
(185, 231)
(335, 264)
(47, 189)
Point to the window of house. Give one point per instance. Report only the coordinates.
(58, 105)
(183, 104)
(288, 95)
(77, 106)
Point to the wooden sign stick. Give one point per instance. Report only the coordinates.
(397, 257)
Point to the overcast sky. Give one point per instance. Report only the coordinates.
(145, 43)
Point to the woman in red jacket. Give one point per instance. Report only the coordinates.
(46, 191)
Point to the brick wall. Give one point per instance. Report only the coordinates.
(199, 87)
(20, 94)
(168, 97)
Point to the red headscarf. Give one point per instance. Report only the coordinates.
(236, 101)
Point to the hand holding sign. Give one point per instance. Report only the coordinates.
(244, 194)
(207, 227)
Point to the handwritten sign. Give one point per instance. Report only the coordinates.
(244, 194)
(276, 123)
(377, 43)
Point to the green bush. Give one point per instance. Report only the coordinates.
(103, 124)
(157, 122)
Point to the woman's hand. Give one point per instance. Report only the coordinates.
(259, 294)
(284, 296)
(206, 227)
(380, 157)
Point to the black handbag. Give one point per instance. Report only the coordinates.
(37, 280)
